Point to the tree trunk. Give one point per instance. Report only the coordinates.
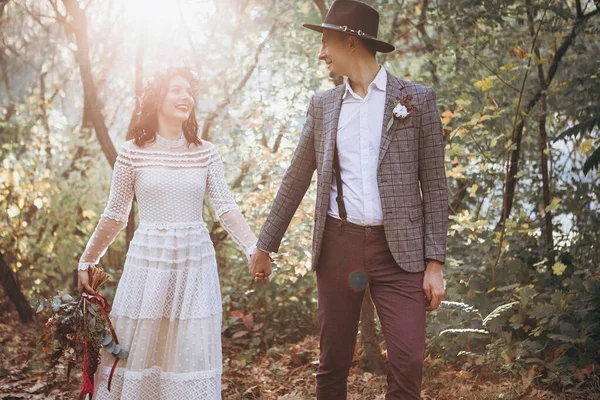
(92, 109)
(549, 247)
(371, 360)
(139, 76)
(13, 291)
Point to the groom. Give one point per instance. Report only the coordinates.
(381, 212)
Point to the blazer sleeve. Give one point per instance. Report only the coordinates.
(294, 185)
(432, 177)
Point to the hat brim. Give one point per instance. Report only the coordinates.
(380, 46)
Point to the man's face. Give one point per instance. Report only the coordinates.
(335, 52)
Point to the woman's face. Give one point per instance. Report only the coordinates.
(178, 102)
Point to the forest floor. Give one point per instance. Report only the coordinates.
(285, 373)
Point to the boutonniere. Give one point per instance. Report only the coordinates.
(403, 108)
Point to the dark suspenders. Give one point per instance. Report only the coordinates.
(340, 191)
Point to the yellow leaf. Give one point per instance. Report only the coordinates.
(473, 189)
(458, 132)
(558, 268)
(521, 53)
(485, 84)
(585, 146)
(448, 115)
(554, 204)
(88, 214)
(508, 67)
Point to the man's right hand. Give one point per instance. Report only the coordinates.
(259, 265)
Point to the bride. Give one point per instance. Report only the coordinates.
(167, 307)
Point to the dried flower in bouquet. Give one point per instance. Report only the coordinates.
(78, 329)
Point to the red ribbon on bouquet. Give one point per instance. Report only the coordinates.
(87, 386)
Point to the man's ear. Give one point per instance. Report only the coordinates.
(352, 43)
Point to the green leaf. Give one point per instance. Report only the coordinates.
(123, 354)
(107, 339)
(66, 298)
(110, 347)
(592, 162)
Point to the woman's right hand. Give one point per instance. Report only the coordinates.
(83, 282)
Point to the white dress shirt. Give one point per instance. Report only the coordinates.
(358, 142)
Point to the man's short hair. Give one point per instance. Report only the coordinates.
(370, 45)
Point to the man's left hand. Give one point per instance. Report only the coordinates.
(433, 284)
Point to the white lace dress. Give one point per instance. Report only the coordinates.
(167, 307)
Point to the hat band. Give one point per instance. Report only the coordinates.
(344, 28)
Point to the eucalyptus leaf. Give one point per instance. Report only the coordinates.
(67, 298)
(110, 347)
(107, 339)
(122, 354)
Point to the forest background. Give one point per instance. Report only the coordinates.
(519, 95)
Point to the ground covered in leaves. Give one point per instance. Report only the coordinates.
(285, 372)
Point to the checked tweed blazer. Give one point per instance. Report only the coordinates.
(410, 176)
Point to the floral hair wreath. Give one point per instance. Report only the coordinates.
(161, 78)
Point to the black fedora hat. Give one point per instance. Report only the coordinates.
(353, 18)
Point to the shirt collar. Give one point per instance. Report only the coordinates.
(380, 82)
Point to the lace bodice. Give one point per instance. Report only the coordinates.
(170, 186)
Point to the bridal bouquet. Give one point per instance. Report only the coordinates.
(78, 329)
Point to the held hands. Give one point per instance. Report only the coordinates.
(259, 265)
(433, 285)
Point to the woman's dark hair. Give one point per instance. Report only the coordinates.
(144, 131)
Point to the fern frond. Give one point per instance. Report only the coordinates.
(498, 311)
(586, 126)
(455, 305)
(464, 330)
(592, 162)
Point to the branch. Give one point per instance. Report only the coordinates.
(489, 69)
(322, 7)
(229, 98)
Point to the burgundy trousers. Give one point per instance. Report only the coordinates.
(352, 257)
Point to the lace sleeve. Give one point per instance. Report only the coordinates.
(226, 209)
(115, 215)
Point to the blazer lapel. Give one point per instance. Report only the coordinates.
(331, 116)
(394, 89)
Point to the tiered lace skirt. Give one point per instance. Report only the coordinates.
(167, 314)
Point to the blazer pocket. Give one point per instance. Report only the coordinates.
(415, 213)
